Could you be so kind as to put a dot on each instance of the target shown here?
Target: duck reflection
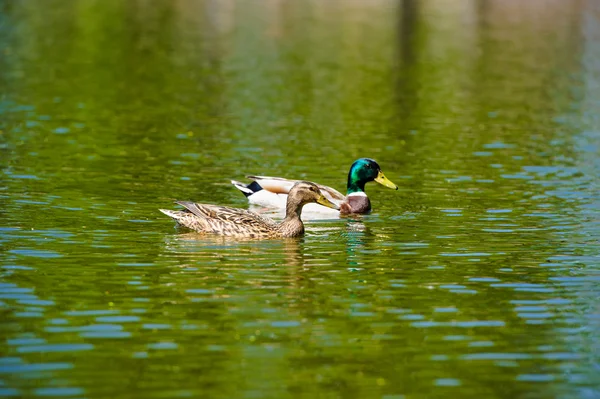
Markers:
(359, 237)
(212, 248)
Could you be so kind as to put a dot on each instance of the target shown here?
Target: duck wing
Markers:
(226, 220)
(280, 185)
(331, 193)
(276, 185)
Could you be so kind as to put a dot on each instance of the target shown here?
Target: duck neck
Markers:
(355, 185)
(292, 225)
(293, 208)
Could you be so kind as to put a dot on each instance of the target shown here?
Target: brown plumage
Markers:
(235, 222)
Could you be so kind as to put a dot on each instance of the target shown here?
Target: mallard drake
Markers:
(273, 191)
(235, 222)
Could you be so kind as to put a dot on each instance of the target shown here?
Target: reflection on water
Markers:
(210, 249)
(477, 278)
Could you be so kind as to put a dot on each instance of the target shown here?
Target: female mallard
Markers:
(235, 222)
(273, 191)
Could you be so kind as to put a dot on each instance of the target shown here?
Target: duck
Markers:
(242, 223)
(273, 191)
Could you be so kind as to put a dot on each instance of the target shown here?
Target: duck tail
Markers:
(176, 215)
(247, 189)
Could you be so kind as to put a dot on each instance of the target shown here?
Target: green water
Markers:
(477, 279)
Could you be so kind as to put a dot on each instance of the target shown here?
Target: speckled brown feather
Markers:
(233, 222)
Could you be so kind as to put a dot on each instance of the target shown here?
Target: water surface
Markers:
(478, 278)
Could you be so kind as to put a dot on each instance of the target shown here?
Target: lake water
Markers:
(478, 278)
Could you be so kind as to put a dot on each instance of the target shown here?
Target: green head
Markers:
(364, 170)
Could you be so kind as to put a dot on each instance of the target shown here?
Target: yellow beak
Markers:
(325, 202)
(384, 181)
